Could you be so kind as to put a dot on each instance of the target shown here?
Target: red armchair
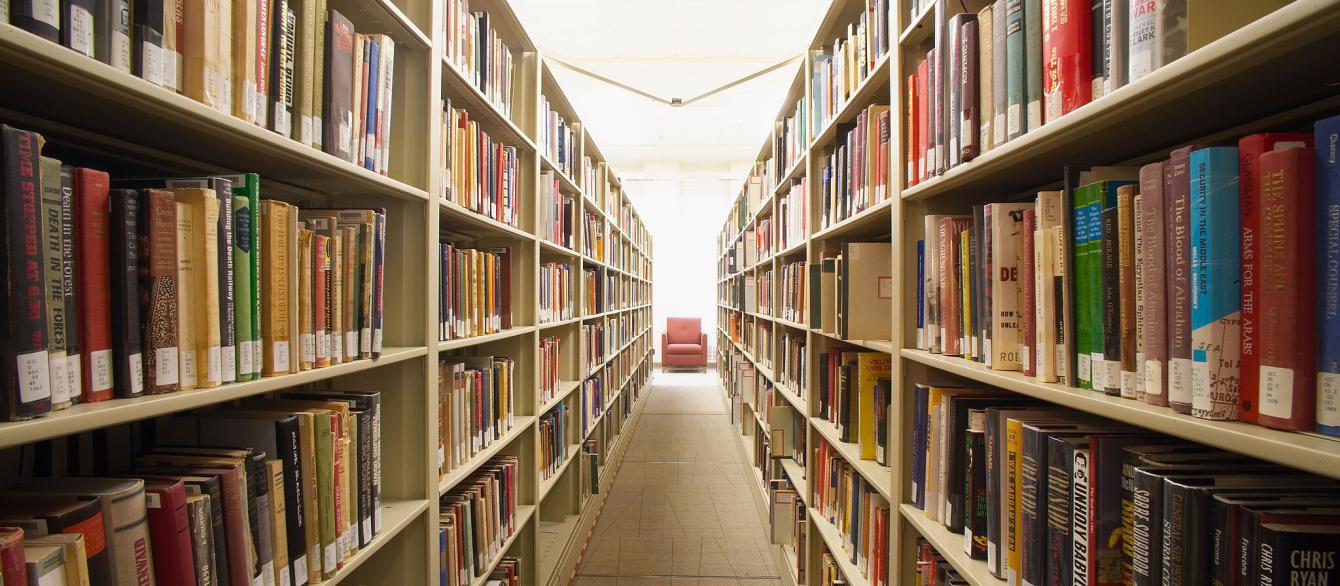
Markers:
(683, 344)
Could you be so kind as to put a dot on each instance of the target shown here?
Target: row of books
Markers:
(855, 173)
(479, 53)
(559, 139)
(591, 182)
(793, 361)
(591, 458)
(786, 427)
(593, 289)
(553, 432)
(551, 368)
(555, 300)
(279, 490)
(793, 218)
(761, 346)
(860, 515)
(1007, 70)
(854, 395)
(476, 402)
(593, 400)
(792, 291)
(1195, 282)
(474, 291)
(478, 173)
(789, 524)
(155, 286)
(475, 520)
(764, 239)
(594, 345)
(593, 235)
(1050, 496)
(291, 66)
(557, 211)
(840, 70)
(790, 140)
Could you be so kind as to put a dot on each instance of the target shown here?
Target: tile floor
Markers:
(682, 509)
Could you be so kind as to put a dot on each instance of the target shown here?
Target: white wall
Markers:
(684, 209)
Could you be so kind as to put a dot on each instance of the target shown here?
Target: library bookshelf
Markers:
(92, 113)
(1266, 74)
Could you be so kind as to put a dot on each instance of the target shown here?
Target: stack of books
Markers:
(476, 518)
(476, 406)
(478, 53)
(479, 173)
(859, 514)
(475, 292)
(555, 302)
(855, 173)
(557, 211)
(840, 69)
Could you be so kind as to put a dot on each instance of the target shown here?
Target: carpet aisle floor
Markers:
(683, 508)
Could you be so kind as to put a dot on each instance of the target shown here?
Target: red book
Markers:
(919, 147)
(1067, 70)
(93, 264)
(13, 569)
(1250, 149)
(1027, 317)
(169, 531)
(951, 299)
(911, 151)
(1287, 285)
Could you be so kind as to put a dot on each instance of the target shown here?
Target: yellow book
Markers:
(208, 331)
(1014, 470)
(294, 270)
(275, 290)
(278, 522)
(872, 366)
(968, 341)
(243, 47)
(307, 359)
(203, 23)
(186, 296)
(304, 69)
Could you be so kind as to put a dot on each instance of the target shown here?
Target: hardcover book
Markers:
(93, 263)
(1216, 301)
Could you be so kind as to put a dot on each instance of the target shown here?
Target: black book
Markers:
(76, 28)
(883, 393)
(227, 293)
(39, 17)
(1034, 507)
(73, 366)
(1253, 535)
(127, 344)
(995, 475)
(957, 409)
(1298, 553)
(111, 33)
(369, 401)
(148, 56)
(1059, 570)
(1226, 508)
(209, 485)
(24, 346)
(975, 510)
(1110, 379)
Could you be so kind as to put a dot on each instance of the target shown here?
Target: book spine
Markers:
(1117, 44)
(1146, 529)
(1097, 40)
(243, 225)
(39, 17)
(209, 355)
(1138, 343)
(1327, 140)
(53, 275)
(1216, 302)
(69, 277)
(93, 207)
(969, 111)
(25, 363)
(1140, 48)
(158, 291)
(1177, 193)
(1250, 149)
(1059, 567)
(127, 347)
(303, 75)
(1032, 512)
(1066, 44)
(999, 72)
(1107, 362)
(379, 272)
(187, 266)
(1088, 281)
(1033, 56)
(1126, 290)
(1154, 324)
(1082, 523)
(1288, 250)
(277, 515)
(1016, 80)
(276, 333)
(985, 83)
(226, 286)
(264, 55)
(319, 80)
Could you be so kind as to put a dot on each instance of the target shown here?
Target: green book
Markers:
(1033, 68)
(247, 186)
(325, 492)
(1088, 205)
(1016, 75)
(243, 225)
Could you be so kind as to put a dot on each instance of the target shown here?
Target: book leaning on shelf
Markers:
(475, 291)
(476, 406)
(479, 173)
(152, 285)
(1050, 496)
(292, 66)
(280, 490)
(1190, 282)
(984, 81)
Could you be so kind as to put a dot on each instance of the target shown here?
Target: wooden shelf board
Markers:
(553, 247)
(791, 324)
(562, 322)
(876, 345)
(476, 223)
(920, 29)
(565, 388)
(950, 545)
(454, 477)
(484, 339)
(396, 516)
(547, 484)
(878, 477)
(88, 416)
(796, 171)
(1306, 451)
(796, 473)
(874, 219)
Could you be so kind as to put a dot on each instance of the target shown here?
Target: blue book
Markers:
(1216, 296)
(921, 394)
(1327, 141)
(921, 294)
(374, 64)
